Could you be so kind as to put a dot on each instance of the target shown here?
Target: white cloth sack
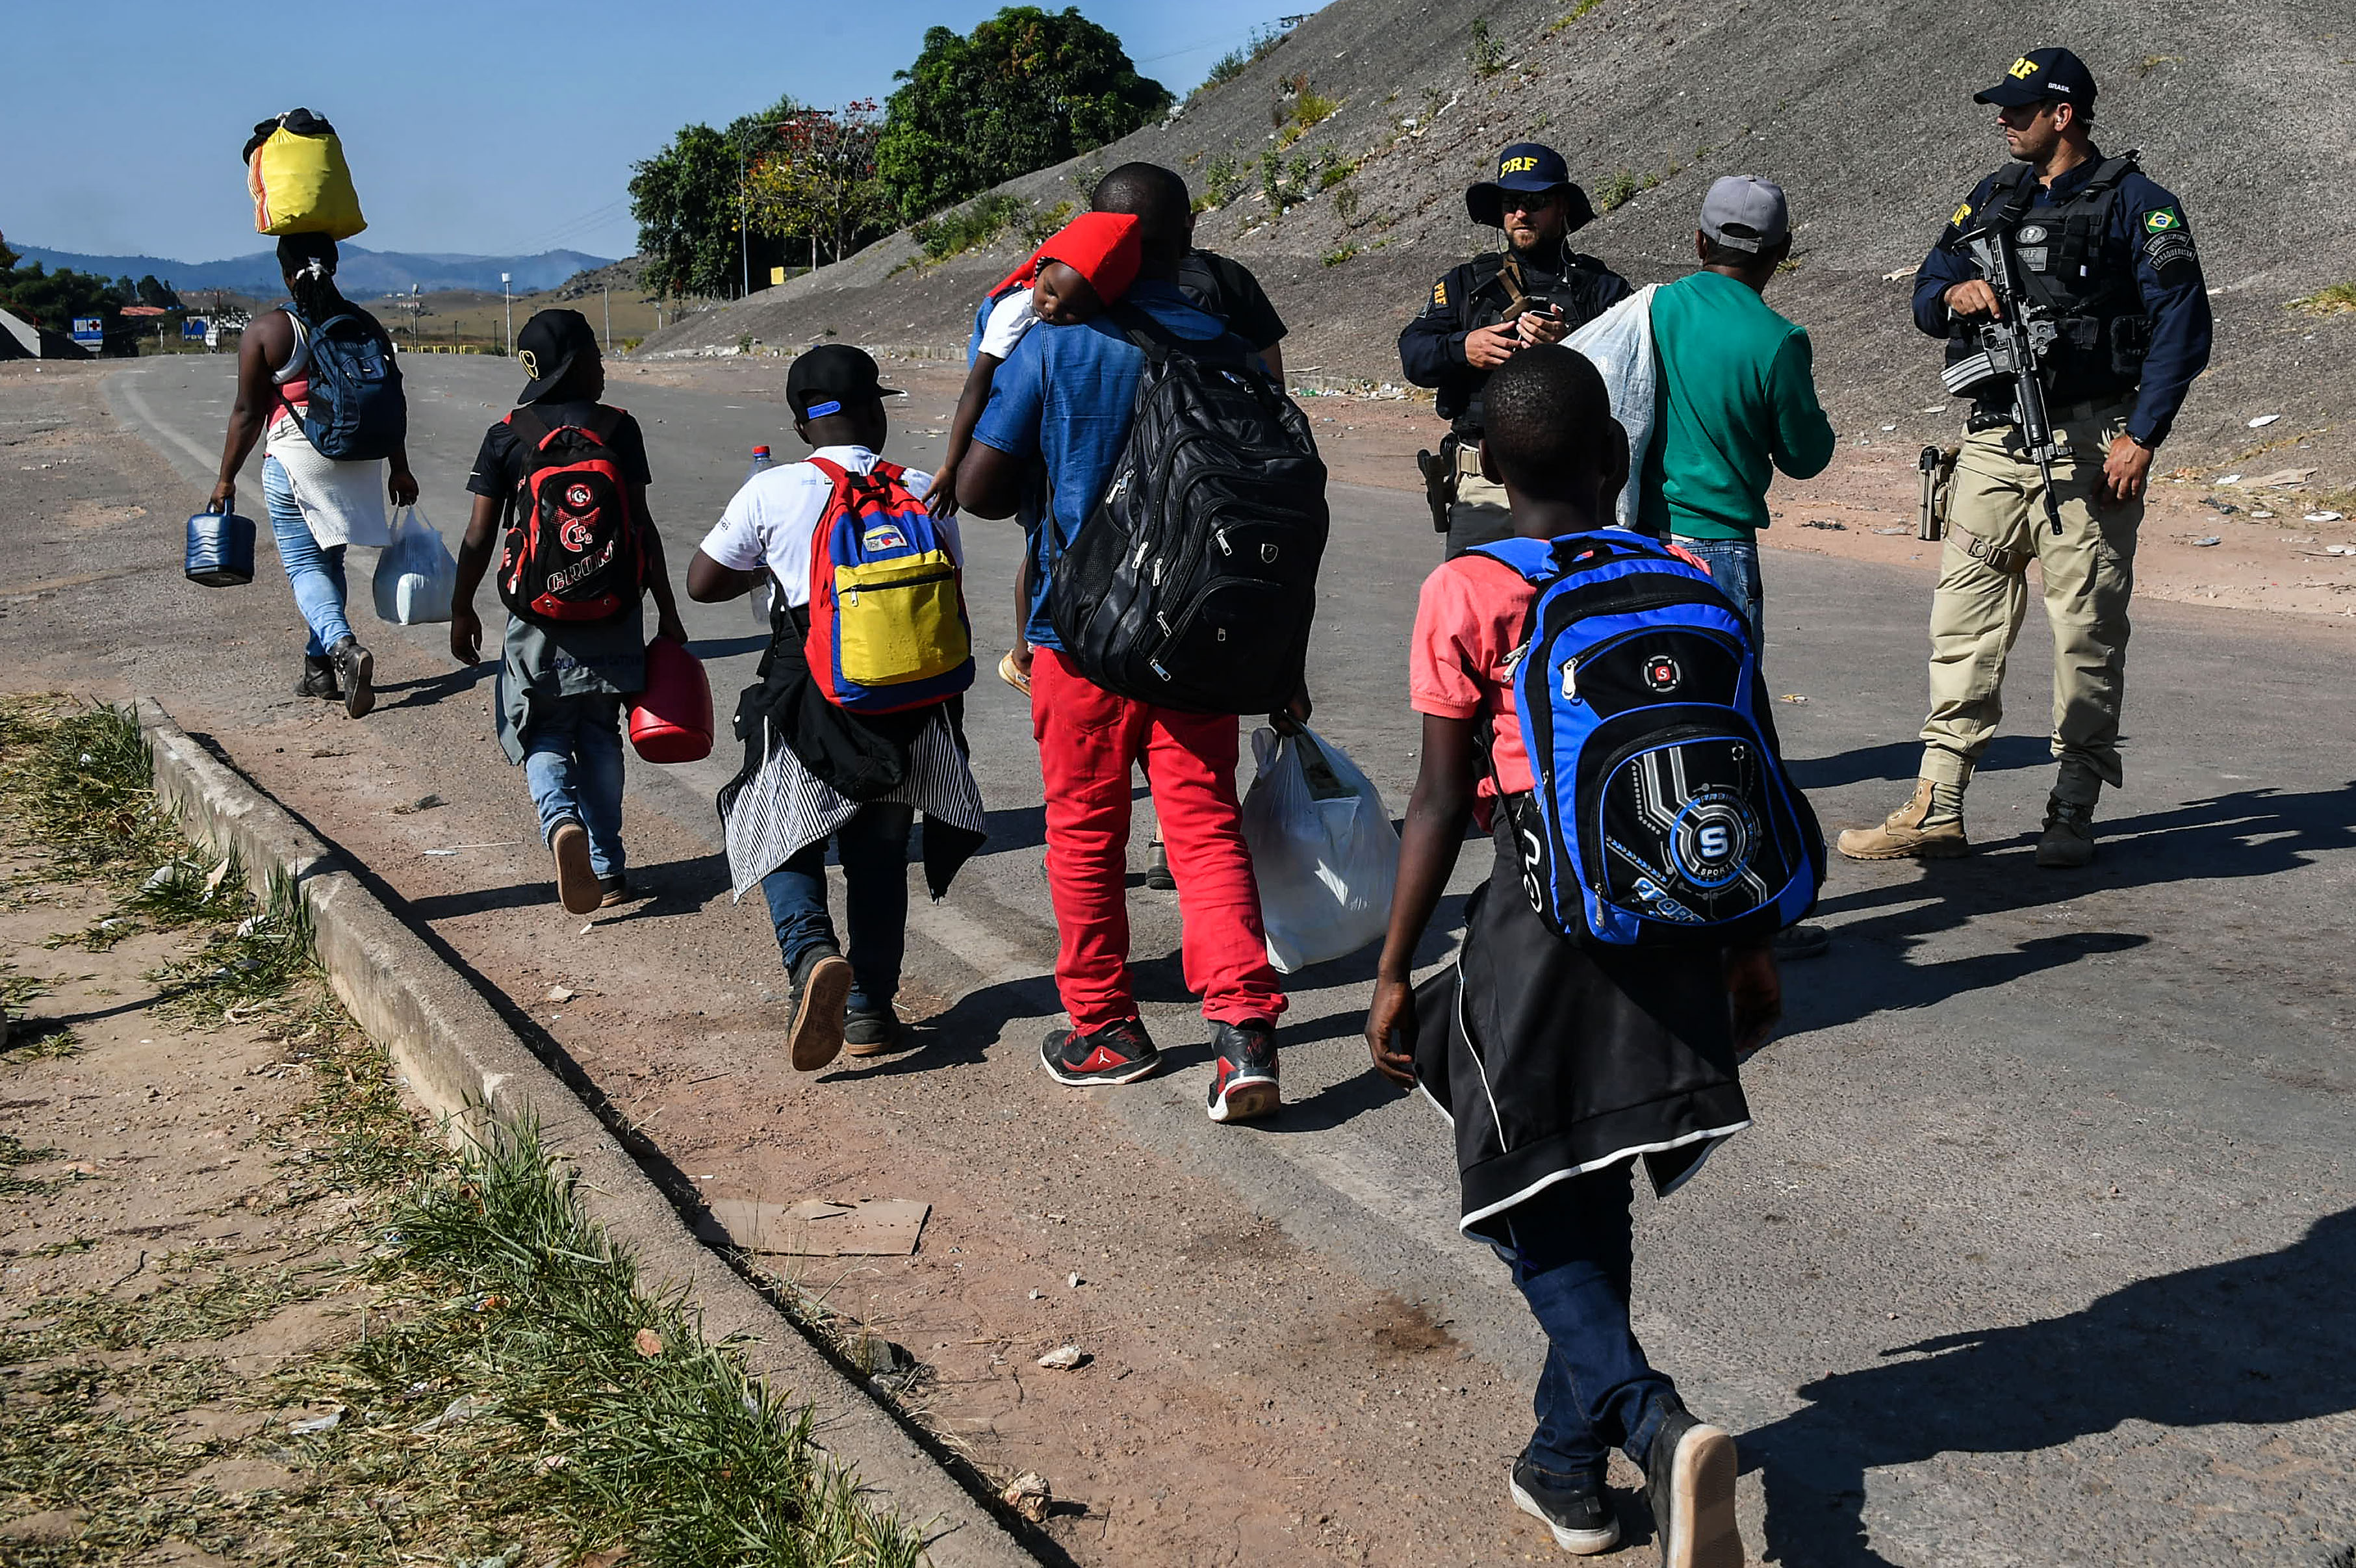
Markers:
(415, 578)
(1322, 850)
(1620, 343)
(343, 503)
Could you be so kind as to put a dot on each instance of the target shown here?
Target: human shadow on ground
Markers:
(428, 689)
(1897, 762)
(2244, 834)
(671, 887)
(2257, 1342)
(728, 647)
(963, 1032)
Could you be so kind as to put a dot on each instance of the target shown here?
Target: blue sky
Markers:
(484, 128)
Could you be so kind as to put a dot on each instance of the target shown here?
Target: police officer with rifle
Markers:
(2071, 299)
(1537, 290)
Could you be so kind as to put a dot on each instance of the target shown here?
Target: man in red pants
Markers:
(1065, 396)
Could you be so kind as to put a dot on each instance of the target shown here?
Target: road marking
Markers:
(204, 460)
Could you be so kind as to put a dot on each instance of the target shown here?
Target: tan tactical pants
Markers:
(1996, 526)
(1479, 514)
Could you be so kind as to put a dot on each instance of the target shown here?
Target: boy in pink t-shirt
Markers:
(1562, 1065)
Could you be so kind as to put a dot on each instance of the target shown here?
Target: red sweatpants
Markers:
(1088, 741)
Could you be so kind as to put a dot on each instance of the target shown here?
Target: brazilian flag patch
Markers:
(2162, 220)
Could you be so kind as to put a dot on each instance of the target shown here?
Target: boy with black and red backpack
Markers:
(856, 725)
(562, 484)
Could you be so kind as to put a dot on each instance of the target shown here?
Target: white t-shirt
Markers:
(1009, 319)
(773, 519)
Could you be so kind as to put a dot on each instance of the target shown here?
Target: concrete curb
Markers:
(459, 1058)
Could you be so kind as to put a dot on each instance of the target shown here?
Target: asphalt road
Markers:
(2043, 1245)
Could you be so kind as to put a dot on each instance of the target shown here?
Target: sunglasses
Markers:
(1529, 202)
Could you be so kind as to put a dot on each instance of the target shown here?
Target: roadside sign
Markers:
(90, 332)
(777, 276)
(195, 326)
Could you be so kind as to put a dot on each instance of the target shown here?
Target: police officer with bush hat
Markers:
(2106, 257)
(1537, 290)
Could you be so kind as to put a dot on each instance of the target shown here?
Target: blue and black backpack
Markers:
(356, 412)
(1663, 815)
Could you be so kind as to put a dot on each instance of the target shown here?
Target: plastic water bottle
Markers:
(759, 597)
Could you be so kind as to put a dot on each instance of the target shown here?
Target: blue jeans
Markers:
(1734, 566)
(1573, 1256)
(572, 765)
(315, 575)
(873, 849)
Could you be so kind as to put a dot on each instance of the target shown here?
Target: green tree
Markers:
(1028, 88)
(684, 200)
(814, 184)
(159, 293)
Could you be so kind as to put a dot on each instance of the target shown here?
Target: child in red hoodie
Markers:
(1086, 266)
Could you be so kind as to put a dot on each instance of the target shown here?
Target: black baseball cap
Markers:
(1529, 168)
(548, 346)
(2041, 76)
(830, 378)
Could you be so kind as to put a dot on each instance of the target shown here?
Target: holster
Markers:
(1440, 479)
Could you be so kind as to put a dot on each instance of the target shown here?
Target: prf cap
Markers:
(1529, 168)
(1743, 212)
(2040, 76)
(831, 377)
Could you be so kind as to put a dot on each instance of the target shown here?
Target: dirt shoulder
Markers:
(253, 1309)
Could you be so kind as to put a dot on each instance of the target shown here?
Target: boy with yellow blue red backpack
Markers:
(856, 722)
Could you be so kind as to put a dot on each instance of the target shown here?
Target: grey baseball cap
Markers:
(1744, 212)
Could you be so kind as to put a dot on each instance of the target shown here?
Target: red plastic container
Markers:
(671, 720)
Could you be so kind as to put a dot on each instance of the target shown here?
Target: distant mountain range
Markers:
(362, 274)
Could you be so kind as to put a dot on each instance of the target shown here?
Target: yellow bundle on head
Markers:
(296, 171)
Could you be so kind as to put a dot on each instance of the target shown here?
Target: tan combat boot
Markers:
(1902, 833)
(2069, 839)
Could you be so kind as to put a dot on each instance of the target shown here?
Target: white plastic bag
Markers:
(1322, 848)
(415, 578)
(1620, 342)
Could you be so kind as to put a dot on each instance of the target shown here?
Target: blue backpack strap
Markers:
(1533, 558)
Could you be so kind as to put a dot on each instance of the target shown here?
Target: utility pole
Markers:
(509, 299)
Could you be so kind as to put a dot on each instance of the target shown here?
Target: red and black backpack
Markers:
(573, 548)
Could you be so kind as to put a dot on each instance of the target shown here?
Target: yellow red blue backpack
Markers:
(887, 627)
(573, 549)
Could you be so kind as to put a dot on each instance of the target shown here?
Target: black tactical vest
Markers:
(2065, 266)
(1506, 286)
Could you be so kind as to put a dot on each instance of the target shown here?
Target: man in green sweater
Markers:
(1737, 400)
(1738, 397)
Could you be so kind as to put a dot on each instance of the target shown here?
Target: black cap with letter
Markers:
(2041, 76)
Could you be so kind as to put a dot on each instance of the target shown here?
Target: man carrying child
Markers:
(828, 758)
(1066, 395)
(1562, 1061)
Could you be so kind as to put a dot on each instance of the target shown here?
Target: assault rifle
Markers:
(2015, 346)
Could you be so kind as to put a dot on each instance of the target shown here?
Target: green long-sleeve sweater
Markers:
(1737, 400)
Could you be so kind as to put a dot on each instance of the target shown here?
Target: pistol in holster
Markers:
(1440, 479)
(1938, 491)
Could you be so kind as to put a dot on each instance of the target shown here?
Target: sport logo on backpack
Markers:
(573, 547)
(887, 622)
(356, 410)
(1662, 813)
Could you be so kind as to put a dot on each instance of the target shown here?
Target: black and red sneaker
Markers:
(1117, 1053)
(1243, 1072)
